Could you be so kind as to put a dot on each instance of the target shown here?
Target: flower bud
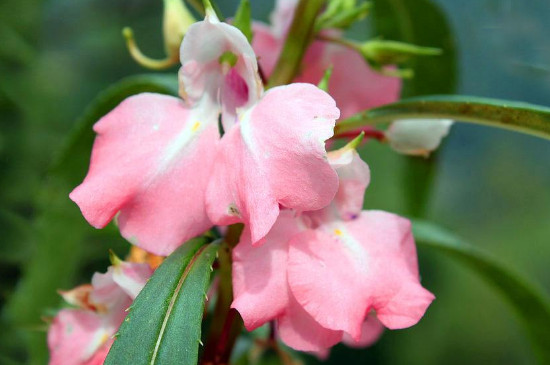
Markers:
(391, 52)
(177, 19)
(417, 137)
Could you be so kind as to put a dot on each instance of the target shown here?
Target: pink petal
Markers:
(100, 355)
(405, 308)
(371, 330)
(394, 286)
(233, 185)
(275, 155)
(354, 177)
(202, 76)
(300, 331)
(259, 273)
(365, 263)
(114, 291)
(267, 47)
(106, 291)
(150, 164)
(326, 277)
(353, 84)
(75, 336)
(132, 277)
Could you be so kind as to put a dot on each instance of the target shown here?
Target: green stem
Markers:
(299, 36)
(517, 116)
(226, 323)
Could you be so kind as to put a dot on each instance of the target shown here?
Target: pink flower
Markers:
(353, 84)
(274, 156)
(84, 335)
(321, 274)
(159, 166)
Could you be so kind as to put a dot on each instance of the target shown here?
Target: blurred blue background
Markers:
(491, 186)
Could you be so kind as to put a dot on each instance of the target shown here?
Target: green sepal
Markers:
(324, 83)
(341, 14)
(391, 52)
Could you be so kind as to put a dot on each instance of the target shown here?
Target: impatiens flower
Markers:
(321, 275)
(84, 335)
(417, 136)
(159, 166)
(274, 156)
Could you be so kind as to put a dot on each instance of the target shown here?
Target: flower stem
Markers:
(521, 117)
(226, 322)
(301, 33)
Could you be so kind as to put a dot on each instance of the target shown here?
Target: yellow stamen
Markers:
(195, 126)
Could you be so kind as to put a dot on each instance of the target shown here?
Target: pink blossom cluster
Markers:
(83, 335)
(310, 259)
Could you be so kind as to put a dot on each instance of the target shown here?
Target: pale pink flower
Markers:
(159, 165)
(321, 274)
(274, 156)
(83, 336)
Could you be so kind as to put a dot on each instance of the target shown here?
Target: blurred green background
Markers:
(490, 186)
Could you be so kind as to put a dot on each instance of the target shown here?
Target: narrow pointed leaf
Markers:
(531, 304)
(163, 325)
(518, 116)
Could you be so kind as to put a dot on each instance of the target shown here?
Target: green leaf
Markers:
(163, 325)
(531, 304)
(60, 235)
(243, 19)
(422, 23)
(521, 117)
(16, 233)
